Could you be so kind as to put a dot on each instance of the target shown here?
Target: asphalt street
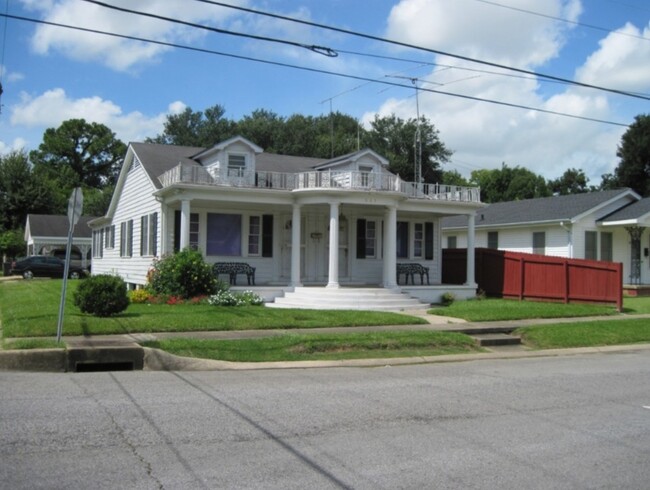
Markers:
(571, 422)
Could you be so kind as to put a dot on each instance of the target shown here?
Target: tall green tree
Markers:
(90, 150)
(572, 181)
(263, 128)
(12, 243)
(394, 138)
(196, 128)
(21, 192)
(509, 184)
(453, 177)
(633, 169)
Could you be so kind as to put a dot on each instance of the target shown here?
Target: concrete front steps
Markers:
(322, 298)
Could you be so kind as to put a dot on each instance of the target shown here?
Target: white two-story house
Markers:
(346, 221)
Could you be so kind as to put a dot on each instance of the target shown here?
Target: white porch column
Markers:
(390, 247)
(295, 246)
(333, 276)
(185, 224)
(471, 278)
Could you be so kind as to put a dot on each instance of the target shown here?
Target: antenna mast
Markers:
(417, 139)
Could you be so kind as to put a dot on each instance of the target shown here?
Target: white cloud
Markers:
(483, 135)
(116, 53)
(622, 62)
(53, 107)
(484, 31)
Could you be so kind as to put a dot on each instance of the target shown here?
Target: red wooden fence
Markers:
(541, 277)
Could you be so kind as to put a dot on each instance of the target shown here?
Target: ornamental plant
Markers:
(184, 274)
(229, 298)
(102, 295)
(139, 296)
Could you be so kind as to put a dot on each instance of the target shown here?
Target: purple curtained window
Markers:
(224, 234)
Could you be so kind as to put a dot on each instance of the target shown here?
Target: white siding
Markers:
(135, 201)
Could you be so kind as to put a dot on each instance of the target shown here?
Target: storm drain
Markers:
(96, 355)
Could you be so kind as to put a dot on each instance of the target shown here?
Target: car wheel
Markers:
(28, 274)
(74, 275)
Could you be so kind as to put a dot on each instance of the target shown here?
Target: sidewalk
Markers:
(105, 346)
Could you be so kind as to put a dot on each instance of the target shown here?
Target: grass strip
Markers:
(30, 309)
(486, 310)
(586, 334)
(304, 347)
(25, 344)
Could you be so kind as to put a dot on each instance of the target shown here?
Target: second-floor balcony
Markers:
(350, 180)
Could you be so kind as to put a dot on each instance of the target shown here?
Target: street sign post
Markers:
(75, 206)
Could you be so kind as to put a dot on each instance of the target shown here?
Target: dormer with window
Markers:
(232, 159)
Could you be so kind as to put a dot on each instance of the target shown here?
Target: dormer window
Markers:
(365, 175)
(236, 165)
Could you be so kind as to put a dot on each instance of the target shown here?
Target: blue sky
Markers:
(51, 74)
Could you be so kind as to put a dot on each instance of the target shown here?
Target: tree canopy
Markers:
(633, 169)
(509, 184)
(89, 152)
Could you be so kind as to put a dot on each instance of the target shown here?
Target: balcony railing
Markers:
(368, 181)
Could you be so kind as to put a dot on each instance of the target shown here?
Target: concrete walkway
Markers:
(101, 348)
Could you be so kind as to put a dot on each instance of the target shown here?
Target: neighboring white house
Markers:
(607, 225)
(299, 221)
(47, 234)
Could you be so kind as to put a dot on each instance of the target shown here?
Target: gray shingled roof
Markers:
(158, 159)
(633, 211)
(271, 162)
(544, 209)
(55, 225)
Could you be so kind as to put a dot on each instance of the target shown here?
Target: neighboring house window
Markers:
(493, 240)
(149, 234)
(452, 242)
(366, 239)
(607, 246)
(126, 238)
(539, 242)
(260, 235)
(194, 231)
(365, 175)
(236, 165)
(591, 245)
(402, 239)
(223, 234)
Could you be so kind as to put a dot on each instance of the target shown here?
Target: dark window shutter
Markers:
(361, 239)
(267, 235)
(130, 238)
(154, 230)
(143, 245)
(428, 241)
(177, 231)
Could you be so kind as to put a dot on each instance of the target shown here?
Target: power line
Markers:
(421, 48)
(561, 19)
(312, 70)
(325, 51)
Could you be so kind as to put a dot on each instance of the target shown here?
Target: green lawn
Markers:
(586, 334)
(294, 347)
(487, 310)
(30, 309)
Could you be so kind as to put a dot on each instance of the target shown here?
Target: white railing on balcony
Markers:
(186, 174)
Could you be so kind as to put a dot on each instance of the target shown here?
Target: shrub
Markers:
(102, 295)
(184, 274)
(139, 296)
(448, 299)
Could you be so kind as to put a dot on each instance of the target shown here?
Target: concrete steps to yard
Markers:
(347, 299)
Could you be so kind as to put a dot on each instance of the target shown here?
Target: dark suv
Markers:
(44, 266)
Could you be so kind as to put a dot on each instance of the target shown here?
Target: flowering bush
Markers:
(184, 274)
(228, 298)
(139, 296)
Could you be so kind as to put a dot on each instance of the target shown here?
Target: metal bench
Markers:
(234, 268)
(411, 270)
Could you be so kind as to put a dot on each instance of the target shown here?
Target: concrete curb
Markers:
(56, 360)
